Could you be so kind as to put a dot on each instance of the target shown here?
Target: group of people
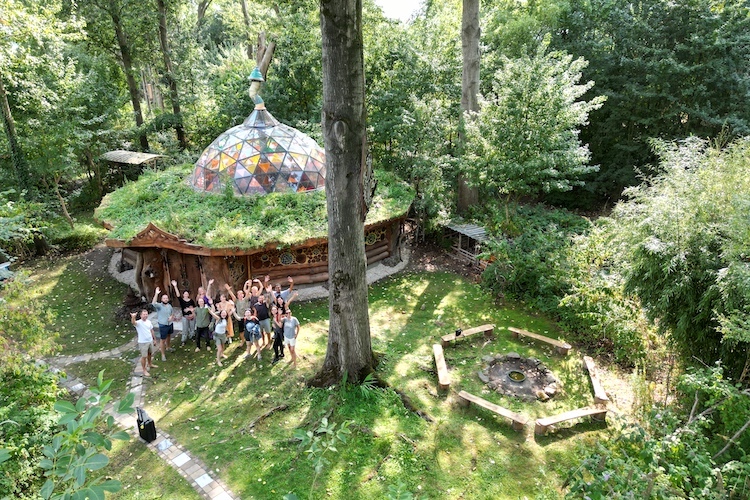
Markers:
(261, 312)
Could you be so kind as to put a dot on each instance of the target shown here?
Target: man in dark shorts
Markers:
(164, 316)
(264, 318)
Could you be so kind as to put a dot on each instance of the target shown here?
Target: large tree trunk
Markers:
(16, 154)
(173, 95)
(127, 66)
(467, 195)
(349, 349)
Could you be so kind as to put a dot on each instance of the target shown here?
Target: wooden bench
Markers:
(444, 379)
(600, 397)
(561, 347)
(543, 424)
(518, 420)
(445, 340)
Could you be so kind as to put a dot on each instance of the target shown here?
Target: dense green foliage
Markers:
(221, 221)
(524, 139)
(559, 263)
(27, 423)
(19, 222)
(683, 240)
(676, 452)
(75, 451)
(668, 69)
(27, 393)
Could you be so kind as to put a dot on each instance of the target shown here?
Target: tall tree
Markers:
(469, 195)
(348, 192)
(669, 70)
(115, 11)
(169, 74)
(16, 153)
(524, 140)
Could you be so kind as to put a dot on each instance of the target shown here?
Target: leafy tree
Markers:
(524, 140)
(413, 98)
(76, 449)
(668, 70)
(105, 19)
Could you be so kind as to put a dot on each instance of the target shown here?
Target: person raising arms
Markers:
(188, 313)
(146, 340)
(164, 316)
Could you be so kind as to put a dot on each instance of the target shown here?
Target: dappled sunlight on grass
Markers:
(84, 299)
(240, 418)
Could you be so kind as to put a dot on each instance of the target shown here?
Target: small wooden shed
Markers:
(128, 164)
(467, 241)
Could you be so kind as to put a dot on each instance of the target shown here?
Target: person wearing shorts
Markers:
(164, 316)
(146, 340)
(220, 334)
(291, 332)
(251, 329)
(264, 318)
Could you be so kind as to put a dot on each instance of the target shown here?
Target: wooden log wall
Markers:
(306, 265)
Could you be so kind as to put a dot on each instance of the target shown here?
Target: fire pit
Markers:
(513, 375)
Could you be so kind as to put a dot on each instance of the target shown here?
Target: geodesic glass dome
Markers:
(261, 156)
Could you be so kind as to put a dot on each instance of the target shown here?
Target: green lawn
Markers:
(84, 299)
(144, 475)
(118, 369)
(464, 453)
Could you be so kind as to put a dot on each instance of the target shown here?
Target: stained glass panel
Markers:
(259, 156)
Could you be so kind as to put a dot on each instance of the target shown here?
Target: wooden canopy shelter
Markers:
(467, 241)
(135, 158)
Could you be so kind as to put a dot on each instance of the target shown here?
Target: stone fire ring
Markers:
(539, 382)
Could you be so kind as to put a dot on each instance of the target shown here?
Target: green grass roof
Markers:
(228, 221)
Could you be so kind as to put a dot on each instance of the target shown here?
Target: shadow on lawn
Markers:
(471, 452)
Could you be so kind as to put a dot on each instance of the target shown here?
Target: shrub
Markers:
(20, 223)
(531, 261)
(82, 237)
(595, 310)
(674, 453)
(27, 423)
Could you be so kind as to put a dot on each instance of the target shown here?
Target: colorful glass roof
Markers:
(261, 156)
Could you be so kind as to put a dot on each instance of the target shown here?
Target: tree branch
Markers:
(731, 439)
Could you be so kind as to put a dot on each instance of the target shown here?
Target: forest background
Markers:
(608, 150)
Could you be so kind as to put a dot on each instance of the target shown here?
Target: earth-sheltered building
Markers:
(254, 205)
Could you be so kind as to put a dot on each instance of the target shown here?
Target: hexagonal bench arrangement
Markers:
(518, 421)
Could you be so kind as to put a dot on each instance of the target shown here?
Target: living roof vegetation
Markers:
(228, 221)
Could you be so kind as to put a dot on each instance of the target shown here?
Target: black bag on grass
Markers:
(146, 425)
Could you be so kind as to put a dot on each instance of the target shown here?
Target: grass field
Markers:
(84, 299)
(461, 453)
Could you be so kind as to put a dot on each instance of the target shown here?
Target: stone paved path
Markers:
(165, 446)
